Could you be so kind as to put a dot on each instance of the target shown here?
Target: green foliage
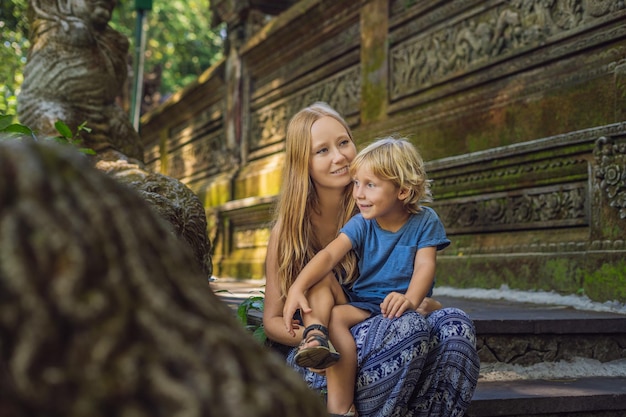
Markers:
(255, 303)
(12, 130)
(75, 139)
(14, 46)
(178, 39)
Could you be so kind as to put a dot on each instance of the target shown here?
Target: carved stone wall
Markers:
(518, 107)
(544, 214)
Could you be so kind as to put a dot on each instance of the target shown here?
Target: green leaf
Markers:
(87, 151)
(63, 129)
(59, 139)
(5, 120)
(17, 128)
(83, 127)
(259, 334)
(242, 313)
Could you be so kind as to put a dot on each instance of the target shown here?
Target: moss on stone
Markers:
(608, 282)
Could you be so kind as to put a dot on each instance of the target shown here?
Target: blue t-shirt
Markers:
(386, 258)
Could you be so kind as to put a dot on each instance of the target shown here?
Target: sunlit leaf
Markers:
(5, 120)
(63, 129)
(18, 128)
(87, 151)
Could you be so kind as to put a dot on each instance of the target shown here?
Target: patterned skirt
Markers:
(412, 365)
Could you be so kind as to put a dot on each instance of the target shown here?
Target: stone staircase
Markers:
(536, 360)
(547, 360)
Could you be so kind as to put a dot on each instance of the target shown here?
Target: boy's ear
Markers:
(403, 194)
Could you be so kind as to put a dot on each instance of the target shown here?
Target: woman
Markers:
(412, 365)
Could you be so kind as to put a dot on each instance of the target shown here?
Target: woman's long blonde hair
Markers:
(297, 242)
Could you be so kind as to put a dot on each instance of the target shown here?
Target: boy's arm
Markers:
(322, 264)
(395, 304)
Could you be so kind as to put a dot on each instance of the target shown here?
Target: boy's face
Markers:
(375, 197)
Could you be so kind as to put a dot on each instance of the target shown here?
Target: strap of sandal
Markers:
(312, 327)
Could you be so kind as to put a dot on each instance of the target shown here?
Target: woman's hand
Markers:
(395, 304)
(295, 300)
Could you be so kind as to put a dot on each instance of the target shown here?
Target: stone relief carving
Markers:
(530, 209)
(245, 238)
(205, 154)
(309, 59)
(497, 32)
(610, 172)
(199, 146)
(342, 91)
(564, 199)
(537, 168)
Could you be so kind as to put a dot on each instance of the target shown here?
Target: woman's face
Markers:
(332, 150)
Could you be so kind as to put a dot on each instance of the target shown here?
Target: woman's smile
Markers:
(341, 171)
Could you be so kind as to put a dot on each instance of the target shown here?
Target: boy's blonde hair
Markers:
(397, 160)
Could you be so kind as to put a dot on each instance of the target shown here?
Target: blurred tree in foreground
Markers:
(180, 45)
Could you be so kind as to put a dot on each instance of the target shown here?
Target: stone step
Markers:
(526, 334)
(584, 397)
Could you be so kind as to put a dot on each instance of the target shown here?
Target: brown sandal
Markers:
(317, 357)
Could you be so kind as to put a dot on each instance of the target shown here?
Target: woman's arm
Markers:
(320, 266)
(274, 303)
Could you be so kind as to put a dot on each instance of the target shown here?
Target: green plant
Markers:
(13, 130)
(66, 136)
(252, 303)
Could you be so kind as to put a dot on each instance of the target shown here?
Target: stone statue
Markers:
(75, 70)
(104, 313)
(172, 200)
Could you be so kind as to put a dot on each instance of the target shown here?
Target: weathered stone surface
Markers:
(104, 313)
(532, 349)
(77, 66)
(174, 201)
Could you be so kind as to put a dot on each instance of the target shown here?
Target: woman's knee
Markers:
(451, 323)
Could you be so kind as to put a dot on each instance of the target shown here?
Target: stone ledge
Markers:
(583, 397)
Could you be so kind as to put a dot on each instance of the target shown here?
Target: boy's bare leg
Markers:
(341, 377)
(322, 297)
